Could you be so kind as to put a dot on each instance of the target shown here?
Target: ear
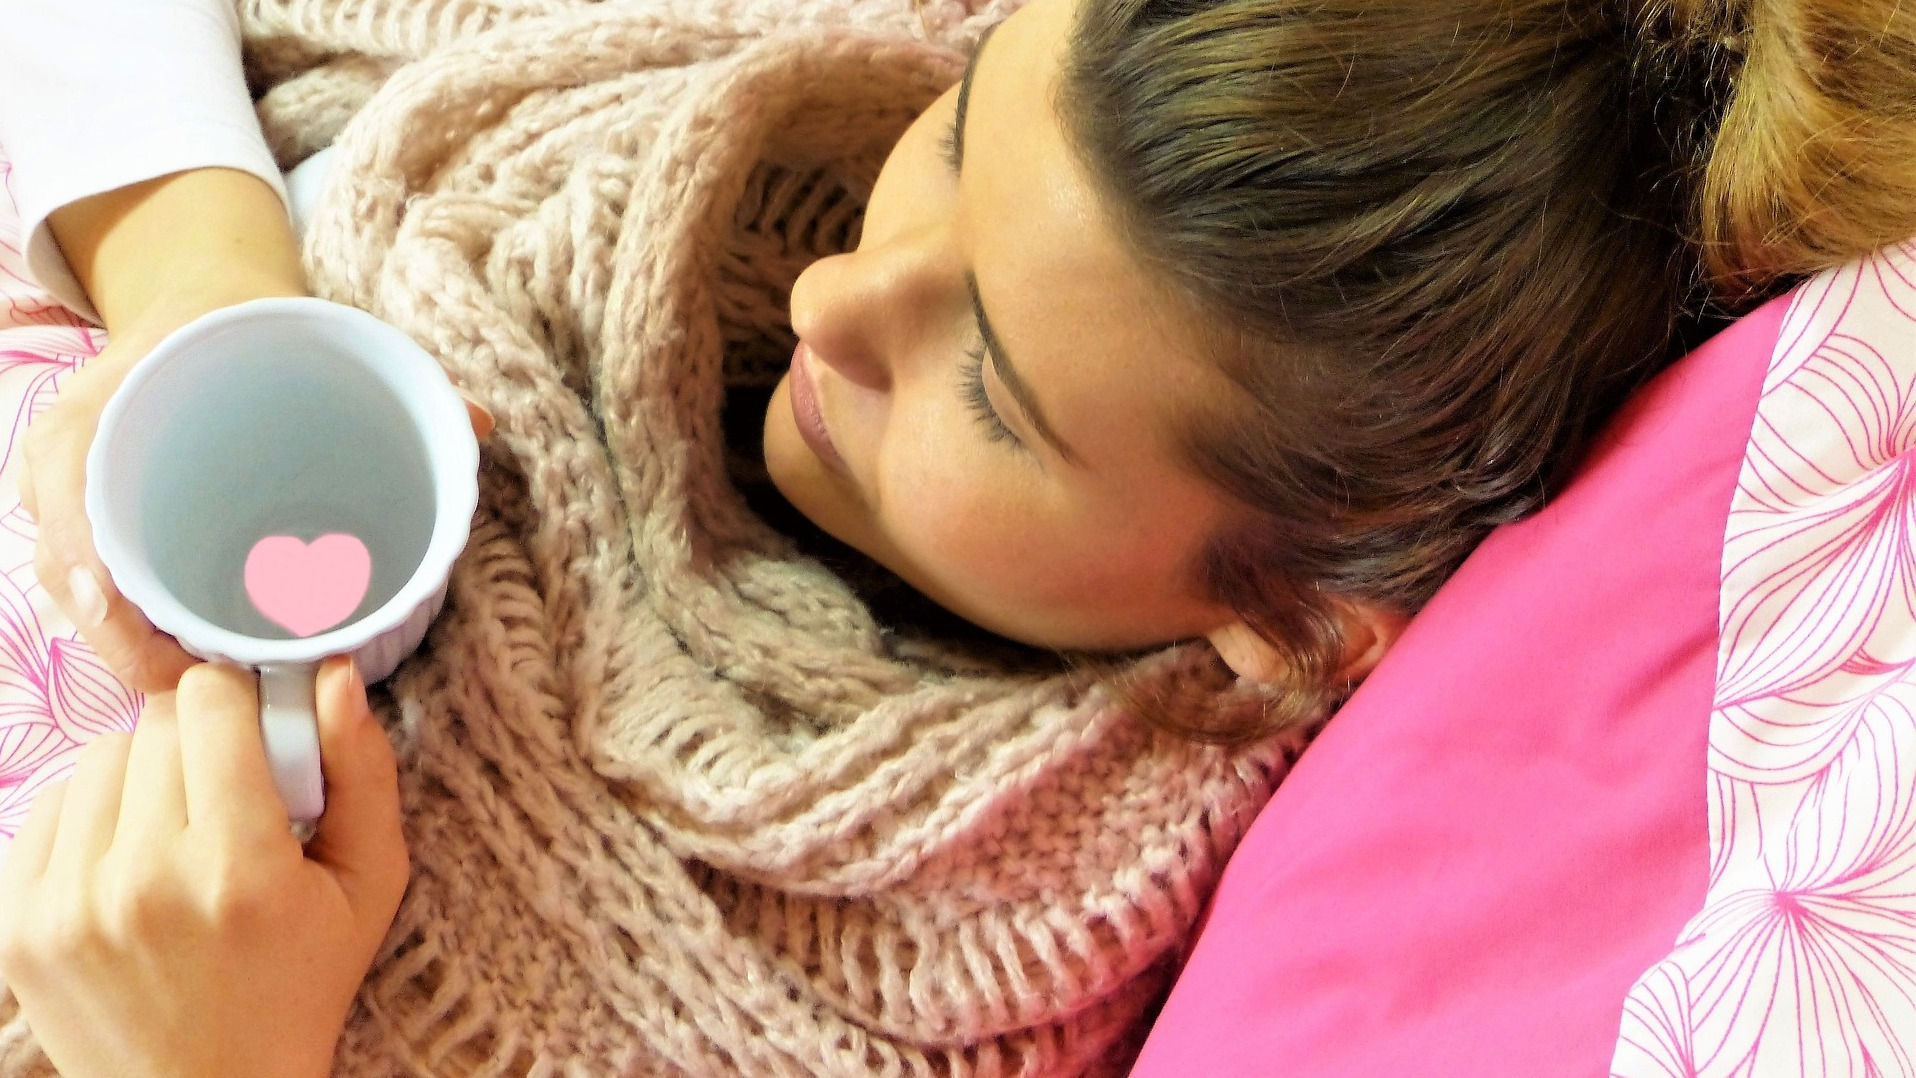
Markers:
(1249, 655)
(1369, 632)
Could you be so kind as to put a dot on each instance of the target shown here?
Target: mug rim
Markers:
(454, 462)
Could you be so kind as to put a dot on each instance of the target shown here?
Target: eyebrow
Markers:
(964, 90)
(1021, 393)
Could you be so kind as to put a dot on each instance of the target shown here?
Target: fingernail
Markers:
(484, 411)
(89, 602)
(355, 685)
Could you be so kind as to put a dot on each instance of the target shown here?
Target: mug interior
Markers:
(271, 430)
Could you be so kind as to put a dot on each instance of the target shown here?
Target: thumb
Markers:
(358, 837)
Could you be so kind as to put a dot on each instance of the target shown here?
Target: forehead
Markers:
(1109, 354)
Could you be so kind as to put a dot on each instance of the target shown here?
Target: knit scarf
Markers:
(680, 799)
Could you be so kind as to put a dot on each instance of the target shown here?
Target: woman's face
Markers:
(1030, 484)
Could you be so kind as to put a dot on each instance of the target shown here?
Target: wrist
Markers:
(157, 254)
(189, 295)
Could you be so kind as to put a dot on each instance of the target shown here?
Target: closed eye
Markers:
(972, 387)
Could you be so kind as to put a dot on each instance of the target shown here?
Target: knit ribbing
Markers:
(677, 802)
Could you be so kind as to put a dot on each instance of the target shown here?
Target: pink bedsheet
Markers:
(1802, 960)
(55, 694)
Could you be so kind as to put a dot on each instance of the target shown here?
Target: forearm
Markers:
(100, 97)
(168, 249)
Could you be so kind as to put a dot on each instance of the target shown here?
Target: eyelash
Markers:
(972, 386)
(948, 145)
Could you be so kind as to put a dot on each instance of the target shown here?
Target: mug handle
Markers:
(289, 724)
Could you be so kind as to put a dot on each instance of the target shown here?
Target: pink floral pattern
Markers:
(55, 694)
(1803, 958)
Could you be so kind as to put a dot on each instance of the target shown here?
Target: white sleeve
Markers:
(98, 94)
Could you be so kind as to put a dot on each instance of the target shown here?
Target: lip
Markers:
(808, 415)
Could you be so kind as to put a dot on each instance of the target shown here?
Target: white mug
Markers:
(263, 432)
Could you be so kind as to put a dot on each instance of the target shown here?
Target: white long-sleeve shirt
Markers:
(98, 94)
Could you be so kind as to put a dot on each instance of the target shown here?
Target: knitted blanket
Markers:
(682, 796)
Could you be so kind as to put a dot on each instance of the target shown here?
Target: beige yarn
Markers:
(677, 802)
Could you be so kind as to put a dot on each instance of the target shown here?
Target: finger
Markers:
(32, 848)
(140, 655)
(153, 806)
(55, 457)
(481, 418)
(92, 808)
(359, 837)
(156, 660)
(229, 786)
(75, 578)
(69, 568)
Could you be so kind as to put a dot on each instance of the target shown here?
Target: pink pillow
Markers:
(1506, 826)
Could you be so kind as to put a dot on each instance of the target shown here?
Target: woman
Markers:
(1347, 312)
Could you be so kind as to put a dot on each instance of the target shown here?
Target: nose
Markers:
(866, 312)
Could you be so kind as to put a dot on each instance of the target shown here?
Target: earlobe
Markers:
(1369, 631)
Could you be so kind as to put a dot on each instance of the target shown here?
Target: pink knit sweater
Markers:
(678, 802)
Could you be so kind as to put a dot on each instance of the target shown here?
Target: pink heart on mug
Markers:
(308, 587)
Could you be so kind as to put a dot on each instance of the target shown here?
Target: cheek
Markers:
(984, 533)
(978, 521)
(963, 510)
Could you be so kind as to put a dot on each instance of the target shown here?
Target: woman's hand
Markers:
(52, 485)
(52, 480)
(158, 918)
(152, 256)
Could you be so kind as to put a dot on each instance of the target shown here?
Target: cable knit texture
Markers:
(678, 801)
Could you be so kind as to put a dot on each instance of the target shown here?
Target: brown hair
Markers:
(1439, 242)
(1814, 161)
